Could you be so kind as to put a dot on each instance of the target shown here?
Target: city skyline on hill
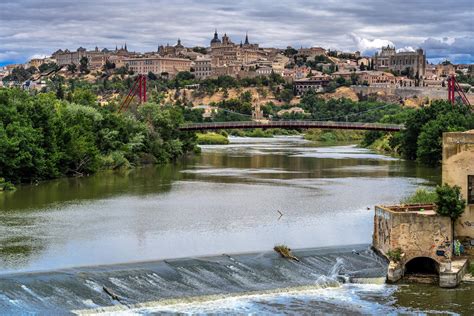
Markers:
(30, 28)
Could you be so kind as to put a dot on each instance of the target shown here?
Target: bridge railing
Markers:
(292, 124)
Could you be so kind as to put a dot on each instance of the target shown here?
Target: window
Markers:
(470, 189)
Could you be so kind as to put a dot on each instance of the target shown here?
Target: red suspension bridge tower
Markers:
(453, 87)
(138, 89)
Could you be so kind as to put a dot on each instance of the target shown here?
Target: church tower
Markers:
(216, 39)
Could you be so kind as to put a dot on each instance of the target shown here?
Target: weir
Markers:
(138, 283)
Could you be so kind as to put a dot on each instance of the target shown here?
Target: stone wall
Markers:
(409, 92)
(418, 231)
(458, 164)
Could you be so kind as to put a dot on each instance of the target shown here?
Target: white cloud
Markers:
(406, 49)
(369, 46)
(31, 27)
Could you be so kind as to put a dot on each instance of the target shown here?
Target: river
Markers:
(116, 228)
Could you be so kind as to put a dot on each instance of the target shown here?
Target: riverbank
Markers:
(225, 200)
(314, 135)
(46, 137)
(333, 136)
(212, 139)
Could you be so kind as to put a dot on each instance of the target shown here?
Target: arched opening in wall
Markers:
(422, 265)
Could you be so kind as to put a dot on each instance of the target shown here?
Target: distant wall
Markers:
(409, 92)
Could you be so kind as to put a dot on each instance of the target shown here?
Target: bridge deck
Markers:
(291, 124)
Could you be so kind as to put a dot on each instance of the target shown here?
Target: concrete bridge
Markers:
(292, 125)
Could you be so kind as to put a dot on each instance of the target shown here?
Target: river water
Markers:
(62, 240)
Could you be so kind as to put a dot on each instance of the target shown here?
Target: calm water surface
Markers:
(225, 200)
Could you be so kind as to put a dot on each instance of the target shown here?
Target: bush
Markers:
(449, 201)
(332, 136)
(421, 196)
(395, 255)
(212, 139)
(6, 186)
(115, 160)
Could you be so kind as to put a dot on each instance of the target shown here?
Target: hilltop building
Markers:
(202, 67)
(97, 58)
(315, 83)
(172, 51)
(158, 65)
(228, 58)
(412, 64)
(311, 52)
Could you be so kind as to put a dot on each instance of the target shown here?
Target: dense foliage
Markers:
(449, 201)
(44, 137)
(346, 109)
(422, 138)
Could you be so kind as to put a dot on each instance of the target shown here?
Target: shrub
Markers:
(212, 139)
(421, 196)
(6, 186)
(449, 201)
(395, 255)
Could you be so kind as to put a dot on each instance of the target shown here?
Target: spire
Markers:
(216, 39)
(116, 48)
(247, 38)
(125, 46)
(241, 44)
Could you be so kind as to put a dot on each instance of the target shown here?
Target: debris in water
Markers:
(111, 294)
(355, 252)
(285, 252)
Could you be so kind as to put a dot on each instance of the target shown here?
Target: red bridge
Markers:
(292, 125)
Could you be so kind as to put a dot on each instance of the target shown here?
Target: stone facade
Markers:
(226, 54)
(311, 52)
(458, 169)
(158, 65)
(408, 63)
(315, 83)
(172, 51)
(202, 68)
(374, 78)
(416, 229)
(97, 58)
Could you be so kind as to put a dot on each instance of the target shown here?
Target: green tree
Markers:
(60, 92)
(84, 64)
(72, 68)
(152, 76)
(450, 203)
(109, 65)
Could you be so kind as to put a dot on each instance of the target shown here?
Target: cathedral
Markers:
(225, 53)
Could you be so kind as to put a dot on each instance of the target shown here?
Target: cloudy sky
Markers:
(445, 28)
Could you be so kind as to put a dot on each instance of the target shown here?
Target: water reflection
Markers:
(223, 201)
